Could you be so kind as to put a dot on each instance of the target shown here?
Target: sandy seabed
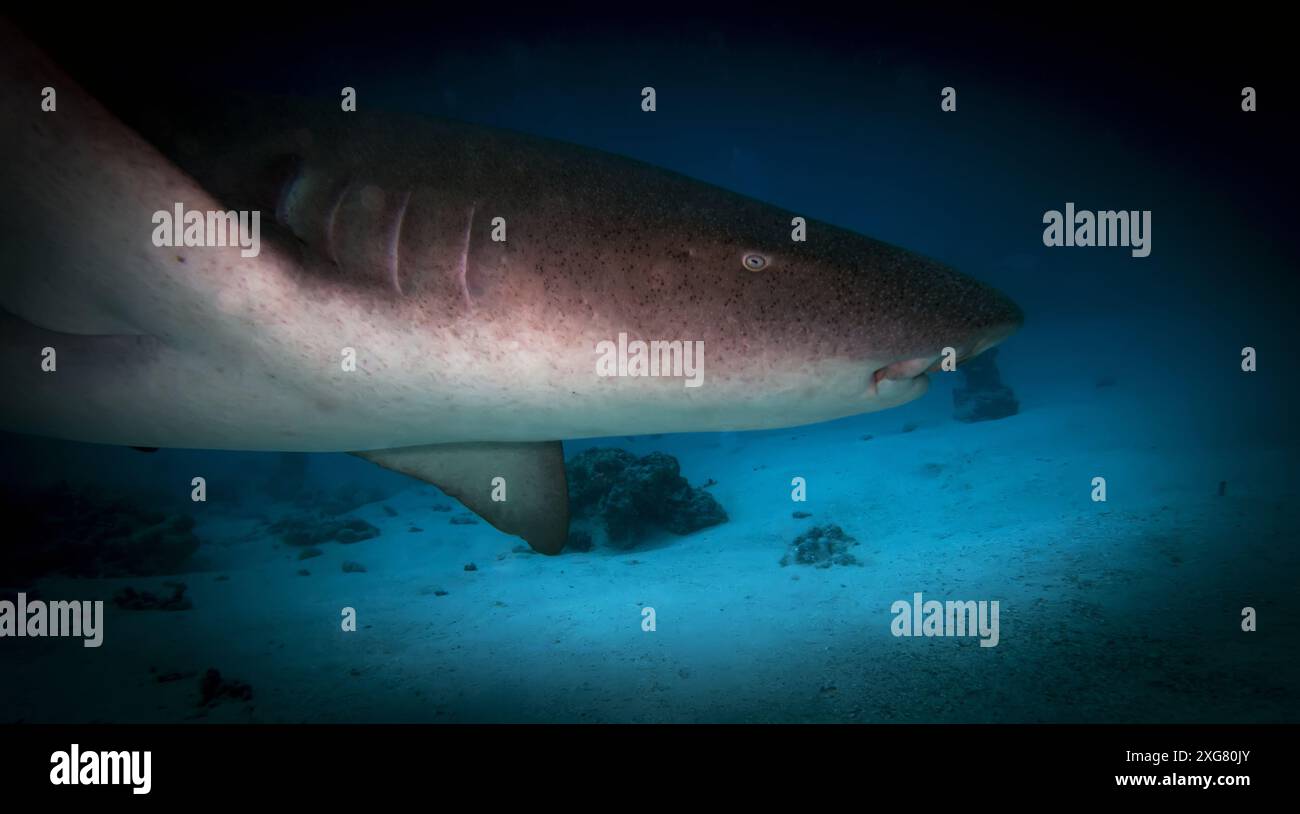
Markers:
(1127, 610)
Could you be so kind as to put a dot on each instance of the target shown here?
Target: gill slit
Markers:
(464, 258)
(395, 243)
(329, 223)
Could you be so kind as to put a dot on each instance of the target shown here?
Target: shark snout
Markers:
(988, 337)
(994, 318)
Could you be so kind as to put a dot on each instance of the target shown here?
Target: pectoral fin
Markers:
(536, 492)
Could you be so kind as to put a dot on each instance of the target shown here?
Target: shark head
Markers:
(801, 321)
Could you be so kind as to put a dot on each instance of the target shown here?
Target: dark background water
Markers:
(837, 117)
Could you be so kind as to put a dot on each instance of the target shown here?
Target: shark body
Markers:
(470, 274)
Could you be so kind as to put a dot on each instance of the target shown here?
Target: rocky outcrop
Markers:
(313, 530)
(821, 547)
(983, 396)
(83, 533)
(616, 495)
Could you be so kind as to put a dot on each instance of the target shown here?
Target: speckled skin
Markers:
(377, 236)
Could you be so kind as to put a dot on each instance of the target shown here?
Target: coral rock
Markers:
(131, 599)
(822, 547)
(309, 530)
(983, 397)
(630, 496)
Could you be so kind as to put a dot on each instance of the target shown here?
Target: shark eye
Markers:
(755, 262)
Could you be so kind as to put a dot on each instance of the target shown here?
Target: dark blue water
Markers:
(1127, 368)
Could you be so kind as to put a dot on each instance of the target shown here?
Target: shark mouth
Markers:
(901, 370)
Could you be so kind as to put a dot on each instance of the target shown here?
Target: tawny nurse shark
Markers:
(473, 356)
